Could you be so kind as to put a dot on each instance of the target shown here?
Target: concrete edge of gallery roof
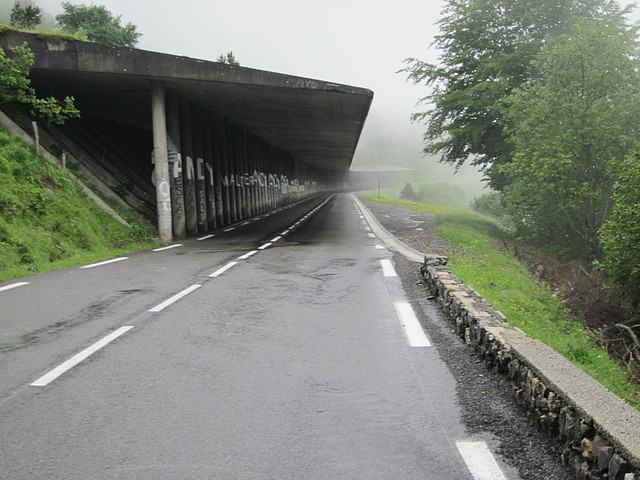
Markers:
(319, 122)
(380, 169)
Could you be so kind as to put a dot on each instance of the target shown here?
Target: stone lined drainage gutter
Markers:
(599, 432)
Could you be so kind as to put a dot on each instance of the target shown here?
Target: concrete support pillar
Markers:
(198, 154)
(207, 143)
(253, 171)
(161, 158)
(217, 133)
(175, 167)
(228, 148)
(188, 169)
(236, 166)
(272, 182)
(224, 172)
(244, 172)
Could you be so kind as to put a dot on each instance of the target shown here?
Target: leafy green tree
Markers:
(620, 234)
(566, 126)
(27, 17)
(15, 86)
(408, 192)
(486, 50)
(229, 59)
(98, 24)
(489, 203)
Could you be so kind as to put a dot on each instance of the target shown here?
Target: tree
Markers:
(486, 50)
(98, 24)
(15, 86)
(27, 17)
(620, 235)
(229, 59)
(408, 192)
(566, 125)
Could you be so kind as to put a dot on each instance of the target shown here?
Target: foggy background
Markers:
(342, 41)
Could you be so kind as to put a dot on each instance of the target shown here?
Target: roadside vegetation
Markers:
(94, 23)
(542, 96)
(482, 255)
(46, 222)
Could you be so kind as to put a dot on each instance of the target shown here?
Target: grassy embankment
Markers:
(46, 222)
(478, 260)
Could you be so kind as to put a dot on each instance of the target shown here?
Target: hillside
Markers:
(47, 222)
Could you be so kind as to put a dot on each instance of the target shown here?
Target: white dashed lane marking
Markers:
(175, 298)
(168, 247)
(73, 361)
(106, 262)
(412, 328)
(387, 268)
(247, 255)
(221, 270)
(479, 461)
(13, 285)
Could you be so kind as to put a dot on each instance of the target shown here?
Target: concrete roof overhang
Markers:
(318, 122)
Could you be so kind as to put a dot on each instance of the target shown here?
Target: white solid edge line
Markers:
(106, 262)
(266, 245)
(221, 270)
(76, 359)
(247, 255)
(168, 247)
(13, 285)
(411, 325)
(387, 268)
(175, 298)
(206, 237)
(479, 460)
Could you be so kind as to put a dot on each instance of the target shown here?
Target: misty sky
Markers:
(355, 42)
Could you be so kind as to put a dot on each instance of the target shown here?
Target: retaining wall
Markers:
(599, 432)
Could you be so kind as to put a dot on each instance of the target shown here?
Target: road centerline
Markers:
(175, 298)
(76, 359)
(221, 270)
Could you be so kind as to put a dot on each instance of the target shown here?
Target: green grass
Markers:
(46, 222)
(477, 258)
(43, 34)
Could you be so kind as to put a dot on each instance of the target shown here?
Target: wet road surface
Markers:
(285, 348)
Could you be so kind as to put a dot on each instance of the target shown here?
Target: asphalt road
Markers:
(283, 349)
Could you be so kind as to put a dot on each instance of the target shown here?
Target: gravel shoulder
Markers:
(416, 229)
